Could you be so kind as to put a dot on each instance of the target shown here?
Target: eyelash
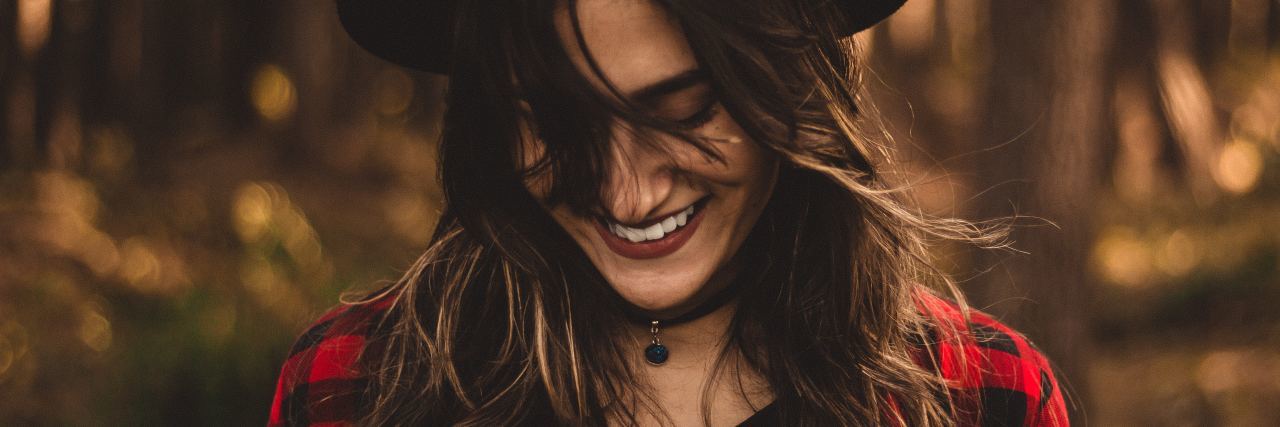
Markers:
(697, 120)
(702, 117)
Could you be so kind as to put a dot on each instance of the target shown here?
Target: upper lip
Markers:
(651, 220)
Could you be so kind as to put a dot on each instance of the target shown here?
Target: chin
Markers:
(660, 292)
(667, 286)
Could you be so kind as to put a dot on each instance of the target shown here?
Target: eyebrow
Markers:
(669, 85)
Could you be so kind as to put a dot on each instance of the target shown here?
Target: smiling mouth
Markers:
(656, 238)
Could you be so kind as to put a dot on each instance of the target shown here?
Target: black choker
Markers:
(656, 353)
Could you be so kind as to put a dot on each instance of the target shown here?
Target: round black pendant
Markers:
(656, 354)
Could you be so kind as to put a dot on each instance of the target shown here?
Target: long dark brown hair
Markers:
(504, 320)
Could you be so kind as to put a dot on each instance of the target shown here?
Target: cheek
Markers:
(571, 224)
(746, 163)
(752, 164)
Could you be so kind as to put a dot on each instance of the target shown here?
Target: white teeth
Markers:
(635, 236)
(653, 232)
(682, 217)
(625, 233)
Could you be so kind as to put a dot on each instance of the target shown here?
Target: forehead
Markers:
(636, 43)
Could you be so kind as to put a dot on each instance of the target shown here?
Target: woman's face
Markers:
(675, 218)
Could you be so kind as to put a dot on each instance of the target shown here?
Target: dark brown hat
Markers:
(415, 33)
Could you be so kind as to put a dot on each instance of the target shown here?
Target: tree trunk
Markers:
(1049, 101)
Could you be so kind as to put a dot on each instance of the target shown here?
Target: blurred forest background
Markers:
(184, 184)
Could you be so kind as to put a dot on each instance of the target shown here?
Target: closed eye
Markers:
(690, 107)
(702, 117)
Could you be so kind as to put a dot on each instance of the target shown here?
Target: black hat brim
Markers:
(415, 33)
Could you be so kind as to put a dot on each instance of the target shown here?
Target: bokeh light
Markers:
(95, 329)
(273, 94)
(1239, 166)
(1123, 258)
(34, 20)
(251, 211)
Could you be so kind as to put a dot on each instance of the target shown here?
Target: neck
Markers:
(694, 385)
(695, 342)
(696, 335)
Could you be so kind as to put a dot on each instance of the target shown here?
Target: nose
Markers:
(640, 178)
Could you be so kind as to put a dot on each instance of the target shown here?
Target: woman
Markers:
(659, 213)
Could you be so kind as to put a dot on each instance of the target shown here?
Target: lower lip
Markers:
(648, 249)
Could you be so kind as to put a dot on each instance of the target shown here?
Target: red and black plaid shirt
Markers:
(996, 377)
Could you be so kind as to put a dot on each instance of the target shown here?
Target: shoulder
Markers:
(995, 375)
(321, 380)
